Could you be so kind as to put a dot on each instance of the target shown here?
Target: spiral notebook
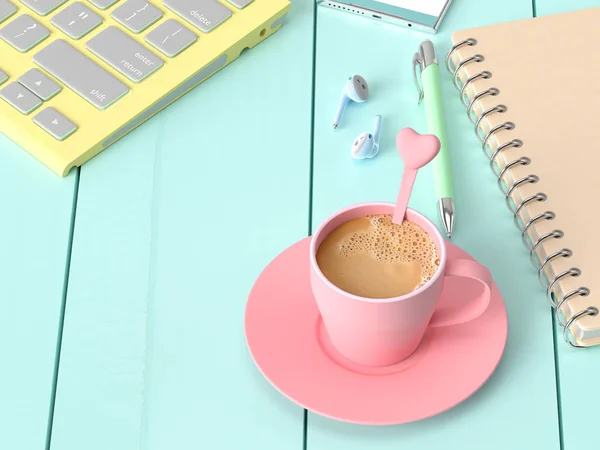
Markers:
(532, 90)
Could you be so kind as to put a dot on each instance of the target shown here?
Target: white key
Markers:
(43, 7)
(7, 9)
(203, 14)
(136, 15)
(171, 38)
(20, 97)
(125, 54)
(54, 123)
(240, 3)
(81, 74)
(39, 84)
(103, 4)
(76, 20)
(24, 33)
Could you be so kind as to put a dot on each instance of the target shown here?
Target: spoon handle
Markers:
(406, 186)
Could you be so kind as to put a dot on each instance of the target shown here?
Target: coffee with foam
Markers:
(375, 258)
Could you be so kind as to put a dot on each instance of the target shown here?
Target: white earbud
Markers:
(366, 145)
(355, 89)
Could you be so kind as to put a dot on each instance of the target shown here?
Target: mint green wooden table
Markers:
(123, 286)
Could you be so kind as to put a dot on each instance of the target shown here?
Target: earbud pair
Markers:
(366, 145)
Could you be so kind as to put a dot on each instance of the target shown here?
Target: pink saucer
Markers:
(290, 346)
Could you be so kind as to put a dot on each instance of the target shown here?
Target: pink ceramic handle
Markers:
(466, 268)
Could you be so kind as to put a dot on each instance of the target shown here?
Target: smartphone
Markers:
(422, 15)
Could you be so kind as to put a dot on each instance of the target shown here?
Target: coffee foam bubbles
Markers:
(389, 242)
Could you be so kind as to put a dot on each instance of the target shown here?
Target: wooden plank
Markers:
(578, 369)
(174, 224)
(36, 208)
(517, 407)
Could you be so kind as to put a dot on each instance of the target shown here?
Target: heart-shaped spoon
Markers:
(416, 150)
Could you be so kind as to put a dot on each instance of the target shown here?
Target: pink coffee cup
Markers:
(381, 332)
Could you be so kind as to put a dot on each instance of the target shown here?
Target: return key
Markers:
(123, 53)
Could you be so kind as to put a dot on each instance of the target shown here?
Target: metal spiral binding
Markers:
(508, 193)
(492, 91)
(573, 272)
(503, 126)
(555, 234)
(539, 197)
(497, 108)
(508, 189)
(475, 58)
(485, 75)
(514, 143)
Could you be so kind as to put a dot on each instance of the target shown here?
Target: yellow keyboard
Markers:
(76, 76)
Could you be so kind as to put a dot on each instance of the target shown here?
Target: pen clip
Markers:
(417, 62)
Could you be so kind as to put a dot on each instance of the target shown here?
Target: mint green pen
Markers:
(431, 92)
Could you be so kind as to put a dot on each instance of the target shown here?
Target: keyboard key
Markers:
(240, 3)
(7, 9)
(20, 97)
(3, 77)
(136, 15)
(76, 20)
(55, 123)
(24, 33)
(103, 4)
(124, 54)
(81, 74)
(203, 14)
(171, 38)
(43, 7)
(39, 84)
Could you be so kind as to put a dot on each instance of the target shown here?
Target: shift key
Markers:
(81, 74)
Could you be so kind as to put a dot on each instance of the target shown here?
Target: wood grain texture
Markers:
(153, 352)
(525, 377)
(174, 224)
(578, 369)
(35, 217)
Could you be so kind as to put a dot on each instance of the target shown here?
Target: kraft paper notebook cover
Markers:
(533, 94)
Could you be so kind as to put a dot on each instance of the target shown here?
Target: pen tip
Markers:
(449, 235)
